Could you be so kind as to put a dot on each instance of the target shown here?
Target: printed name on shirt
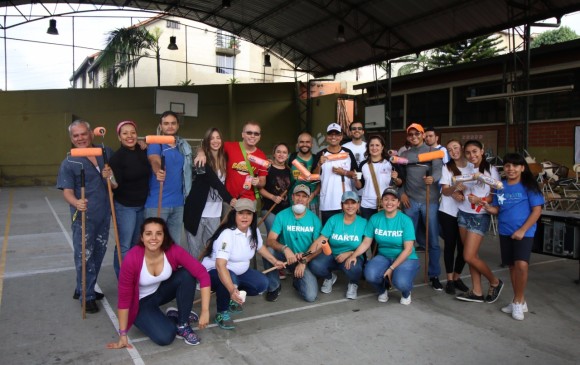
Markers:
(345, 237)
(381, 232)
(290, 228)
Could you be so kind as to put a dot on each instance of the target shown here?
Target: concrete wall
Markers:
(34, 138)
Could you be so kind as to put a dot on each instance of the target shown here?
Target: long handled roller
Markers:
(160, 140)
(422, 157)
(427, 198)
(100, 131)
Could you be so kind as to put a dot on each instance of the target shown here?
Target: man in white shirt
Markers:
(357, 145)
(432, 140)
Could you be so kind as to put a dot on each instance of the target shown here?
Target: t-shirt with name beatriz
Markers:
(515, 205)
(391, 234)
(344, 237)
(296, 233)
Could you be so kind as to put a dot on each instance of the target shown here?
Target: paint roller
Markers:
(160, 139)
(86, 152)
(326, 248)
(393, 153)
(336, 156)
(303, 170)
(496, 184)
(312, 177)
(247, 182)
(259, 161)
(422, 157)
(99, 131)
(462, 178)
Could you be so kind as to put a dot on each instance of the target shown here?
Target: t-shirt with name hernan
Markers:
(344, 237)
(296, 233)
(391, 234)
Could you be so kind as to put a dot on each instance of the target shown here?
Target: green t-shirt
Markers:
(344, 237)
(295, 173)
(298, 234)
(391, 234)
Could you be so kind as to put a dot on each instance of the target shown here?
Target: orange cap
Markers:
(416, 126)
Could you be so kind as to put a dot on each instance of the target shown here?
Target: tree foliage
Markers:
(562, 34)
(465, 51)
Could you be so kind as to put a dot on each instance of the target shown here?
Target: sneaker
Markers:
(383, 298)
(469, 296)
(282, 274)
(460, 285)
(186, 333)
(224, 320)
(518, 311)
(351, 291)
(436, 284)
(450, 287)
(272, 296)
(235, 308)
(98, 296)
(326, 287)
(406, 301)
(509, 308)
(91, 307)
(494, 292)
(173, 314)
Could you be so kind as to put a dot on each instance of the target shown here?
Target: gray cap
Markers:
(391, 190)
(301, 188)
(350, 195)
(245, 204)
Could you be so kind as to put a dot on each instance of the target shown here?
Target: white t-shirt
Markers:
(233, 246)
(383, 170)
(148, 284)
(448, 204)
(359, 155)
(213, 204)
(331, 183)
(478, 189)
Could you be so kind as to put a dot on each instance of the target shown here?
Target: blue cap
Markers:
(350, 195)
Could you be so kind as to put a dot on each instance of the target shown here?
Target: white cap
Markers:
(334, 127)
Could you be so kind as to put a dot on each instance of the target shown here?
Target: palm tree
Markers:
(125, 48)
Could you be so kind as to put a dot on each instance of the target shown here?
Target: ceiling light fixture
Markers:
(267, 62)
(52, 27)
(340, 34)
(172, 43)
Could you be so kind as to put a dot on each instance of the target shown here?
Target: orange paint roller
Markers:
(159, 139)
(303, 170)
(86, 152)
(326, 248)
(430, 156)
(99, 131)
(337, 156)
(259, 161)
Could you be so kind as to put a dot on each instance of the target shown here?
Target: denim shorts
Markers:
(476, 223)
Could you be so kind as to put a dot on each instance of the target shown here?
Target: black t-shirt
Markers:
(132, 172)
(277, 181)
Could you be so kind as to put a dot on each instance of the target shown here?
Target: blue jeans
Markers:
(96, 235)
(269, 221)
(417, 211)
(402, 276)
(307, 285)
(129, 221)
(152, 321)
(252, 281)
(174, 218)
(323, 266)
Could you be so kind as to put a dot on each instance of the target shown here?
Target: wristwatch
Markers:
(303, 261)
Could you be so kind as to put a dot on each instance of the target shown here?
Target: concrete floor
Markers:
(41, 324)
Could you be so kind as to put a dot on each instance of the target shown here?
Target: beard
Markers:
(305, 149)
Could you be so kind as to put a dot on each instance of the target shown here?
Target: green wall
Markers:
(34, 138)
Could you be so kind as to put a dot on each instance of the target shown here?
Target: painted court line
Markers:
(135, 356)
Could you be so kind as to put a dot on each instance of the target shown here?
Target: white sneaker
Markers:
(351, 291)
(509, 308)
(518, 311)
(383, 298)
(406, 301)
(326, 287)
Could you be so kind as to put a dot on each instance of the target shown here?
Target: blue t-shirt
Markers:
(391, 234)
(344, 237)
(173, 185)
(515, 205)
(298, 234)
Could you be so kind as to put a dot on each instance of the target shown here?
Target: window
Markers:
(398, 107)
(173, 24)
(557, 105)
(478, 112)
(430, 108)
(225, 64)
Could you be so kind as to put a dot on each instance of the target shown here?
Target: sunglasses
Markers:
(416, 134)
(252, 133)
(356, 129)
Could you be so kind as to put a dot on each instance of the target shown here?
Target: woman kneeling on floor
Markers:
(153, 273)
(396, 261)
(235, 243)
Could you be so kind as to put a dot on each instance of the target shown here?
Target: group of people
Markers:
(346, 208)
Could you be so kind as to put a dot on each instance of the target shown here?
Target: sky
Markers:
(37, 60)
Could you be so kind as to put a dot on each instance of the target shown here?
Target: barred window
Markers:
(173, 24)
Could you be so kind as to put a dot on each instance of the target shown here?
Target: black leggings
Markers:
(449, 231)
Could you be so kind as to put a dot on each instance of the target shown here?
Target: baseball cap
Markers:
(334, 127)
(416, 126)
(301, 188)
(349, 195)
(391, 190)
(245, 204)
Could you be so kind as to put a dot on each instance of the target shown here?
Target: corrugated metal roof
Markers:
(304, 31)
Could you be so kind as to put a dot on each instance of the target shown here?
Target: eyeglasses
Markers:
(416, 134)
(357, 129)
(252, 133)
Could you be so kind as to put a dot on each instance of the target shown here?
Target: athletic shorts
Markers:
(476, 223)
(514, 250)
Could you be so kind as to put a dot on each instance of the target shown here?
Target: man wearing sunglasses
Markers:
(417, 178)
(357, 145)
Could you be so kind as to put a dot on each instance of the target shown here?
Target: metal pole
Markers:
(5, 58)
(388, 113)
(73, 45)
(186, 78)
